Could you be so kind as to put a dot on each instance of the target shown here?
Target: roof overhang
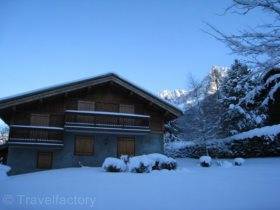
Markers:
(72, 86)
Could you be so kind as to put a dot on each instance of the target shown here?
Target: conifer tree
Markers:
(235, 87)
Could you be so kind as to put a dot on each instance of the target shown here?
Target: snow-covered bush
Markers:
(3, 171)
(238, 161)
(155, 161)
(205, 161)
(162, 162)
(140, 164)
(169, 166)
(114, 165)
(125, 158)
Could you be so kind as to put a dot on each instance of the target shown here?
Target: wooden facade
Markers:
(110, 106)
(105, 98)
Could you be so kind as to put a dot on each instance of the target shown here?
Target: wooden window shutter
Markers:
(84, 145)
(157, 123)
(44, 160)
(126, 108)
(86, 105)
(40, 119)
(121, 147)
(130, 144)
(106, 107)
(126, 146)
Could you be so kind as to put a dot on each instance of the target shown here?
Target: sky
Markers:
(153, 43)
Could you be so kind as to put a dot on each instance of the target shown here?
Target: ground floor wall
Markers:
(24, 160)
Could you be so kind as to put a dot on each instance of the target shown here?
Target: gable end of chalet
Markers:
(11, 103)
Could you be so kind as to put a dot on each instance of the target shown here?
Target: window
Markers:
(126, 108)
(106, 107)
(126, 146)
(84, 145)
(157, 123)
(44, 160)
(86, 105)
(40, 119)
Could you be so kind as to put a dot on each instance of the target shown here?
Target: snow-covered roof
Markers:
(72, 86)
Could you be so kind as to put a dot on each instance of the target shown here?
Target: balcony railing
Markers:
(87, 121)
(55, 119)
(36, 135)
(107, 120)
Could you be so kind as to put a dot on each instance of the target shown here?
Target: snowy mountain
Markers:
(212, 81)
(173, 94)
(176, 97)
(182, 98)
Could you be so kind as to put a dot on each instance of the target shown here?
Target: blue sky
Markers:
(154, 43)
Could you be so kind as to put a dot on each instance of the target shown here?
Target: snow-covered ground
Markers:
(255, 185)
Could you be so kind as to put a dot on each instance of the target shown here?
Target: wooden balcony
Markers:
(107, 122)
(36, 136)
(24, 118)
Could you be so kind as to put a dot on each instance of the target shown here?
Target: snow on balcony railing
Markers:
(53, 141)
(105, 125)
(33, 142)
(106, 119)
(117, 114)
(37, 127)
(144, 129)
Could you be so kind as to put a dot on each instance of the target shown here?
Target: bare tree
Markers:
(259, 45)
(203, 115)
(197, 107)
(4, 133)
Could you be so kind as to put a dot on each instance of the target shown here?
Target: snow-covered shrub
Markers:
(169, 166)
(114, 165)
(3, 171)
(155, 161)
(205, 161)
(238, 161)
(140, 164)
(162, 162)
(125, 158)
